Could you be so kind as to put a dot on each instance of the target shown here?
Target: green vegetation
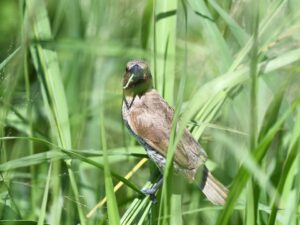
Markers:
(230, 68)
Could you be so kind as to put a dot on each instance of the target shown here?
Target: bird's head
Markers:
(137, 78)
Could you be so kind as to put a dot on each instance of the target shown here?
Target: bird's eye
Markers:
(126, 69)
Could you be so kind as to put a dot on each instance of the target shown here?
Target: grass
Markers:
(230, 69)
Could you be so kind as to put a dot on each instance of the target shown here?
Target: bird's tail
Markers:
(212, 188)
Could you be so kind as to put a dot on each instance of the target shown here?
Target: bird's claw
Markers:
(151, 193)
(153, 199)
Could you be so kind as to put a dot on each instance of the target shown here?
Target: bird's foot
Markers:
(151, 191)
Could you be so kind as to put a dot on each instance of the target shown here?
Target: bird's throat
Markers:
(138, 88)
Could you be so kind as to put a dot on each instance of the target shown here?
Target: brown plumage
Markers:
(149, 118)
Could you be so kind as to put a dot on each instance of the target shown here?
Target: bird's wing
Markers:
(150, 118)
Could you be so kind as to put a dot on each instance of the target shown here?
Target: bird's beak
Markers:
(129, 80)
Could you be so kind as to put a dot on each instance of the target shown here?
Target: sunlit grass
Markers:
(63, 145)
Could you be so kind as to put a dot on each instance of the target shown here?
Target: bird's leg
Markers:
(151, 191)
(154, 188)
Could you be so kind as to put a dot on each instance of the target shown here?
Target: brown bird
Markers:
(149, 119)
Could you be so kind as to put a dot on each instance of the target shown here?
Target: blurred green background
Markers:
(230, 68)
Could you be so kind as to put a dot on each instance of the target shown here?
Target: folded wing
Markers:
(151, 119)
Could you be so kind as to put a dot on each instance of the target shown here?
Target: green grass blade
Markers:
(206, 94)
(240, 35)
(31, 160)
(72, 154)
(165, 42)
(242, 175)
(130, 211)
(214, 38)
(165, 46)
(9, 58)
(252, 195)
(146, 212)
(291, 159)
(144, 204)
(139, 207)
(19, 222)
(46, 64)
(265, 25)
(176, 213)
(146, 23)
(112, 207)
(272, 113)
(45, 197)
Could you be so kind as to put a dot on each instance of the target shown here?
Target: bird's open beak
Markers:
(129, 80)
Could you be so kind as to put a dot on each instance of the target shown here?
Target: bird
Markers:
(148, 118)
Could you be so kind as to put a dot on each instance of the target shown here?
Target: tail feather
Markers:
(213, 189)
